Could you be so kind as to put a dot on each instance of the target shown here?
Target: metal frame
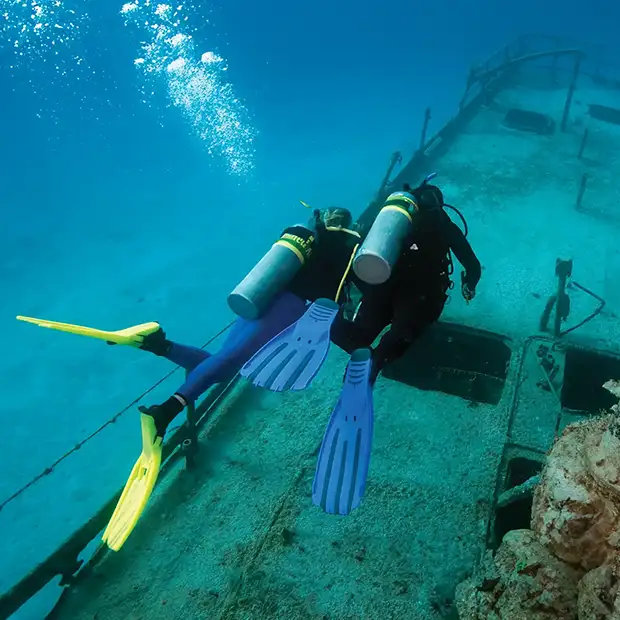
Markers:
(512, 447)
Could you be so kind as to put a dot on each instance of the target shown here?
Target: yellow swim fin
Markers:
(132, 336)
(138, 489)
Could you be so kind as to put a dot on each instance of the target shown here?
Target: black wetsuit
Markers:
(324, 269)
(414, 296)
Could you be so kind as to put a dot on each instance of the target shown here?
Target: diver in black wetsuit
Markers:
(415, 294)
(329, 242)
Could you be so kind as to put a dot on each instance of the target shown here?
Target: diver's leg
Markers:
(346, 334)
(244, 340)
(372, 317)
(412, 315)
(186, 356)
(394, 344)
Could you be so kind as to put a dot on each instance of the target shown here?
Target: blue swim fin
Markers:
(342, 466)
(291, 360)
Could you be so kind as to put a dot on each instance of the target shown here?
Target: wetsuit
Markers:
(320, 277)
(414, 296)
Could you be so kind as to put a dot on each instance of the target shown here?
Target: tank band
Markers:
(399, 209)
(302, 248)
(402, 203)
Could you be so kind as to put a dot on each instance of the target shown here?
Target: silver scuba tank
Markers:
(275, 270)
(376, 258)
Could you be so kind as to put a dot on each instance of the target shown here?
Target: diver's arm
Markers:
(316, 223)
(465, 255)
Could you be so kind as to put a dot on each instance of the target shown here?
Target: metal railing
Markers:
(182, 443)
(484, 82)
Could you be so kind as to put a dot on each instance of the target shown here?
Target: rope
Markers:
(50, 469)
(346, 273)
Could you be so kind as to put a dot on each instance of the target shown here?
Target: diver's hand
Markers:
(468, 292)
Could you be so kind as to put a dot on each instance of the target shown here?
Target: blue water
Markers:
(120, 207)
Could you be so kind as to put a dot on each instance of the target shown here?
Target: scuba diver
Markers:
(319, 255)
(414, 295)
(279, 342)
(404, 266)
(308, 263)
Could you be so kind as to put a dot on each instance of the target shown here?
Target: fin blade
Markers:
(128, 336)
(344, 458)
(267, 359)
(315, 361)
(291, 360)
(138, 489)
(136, 333)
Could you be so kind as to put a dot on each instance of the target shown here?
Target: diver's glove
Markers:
(468, 291)
(166, 412)
(155, 343)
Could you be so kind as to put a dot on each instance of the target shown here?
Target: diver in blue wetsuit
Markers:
(322, 252)
(285, 306)
(307, 264)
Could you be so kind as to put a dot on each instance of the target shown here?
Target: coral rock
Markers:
(523, 582)
(576, 511)
(599, 595)
(476, 597)
(613, 386)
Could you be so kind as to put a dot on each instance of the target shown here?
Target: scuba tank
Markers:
(275, 270)
(376, 258)
(384, 243)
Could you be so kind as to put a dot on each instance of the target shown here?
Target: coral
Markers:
(568, 565)
(523, 582)
(614, 388)
(576, 506)
(599, 595)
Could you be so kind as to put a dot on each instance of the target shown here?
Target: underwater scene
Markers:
(311, 310)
